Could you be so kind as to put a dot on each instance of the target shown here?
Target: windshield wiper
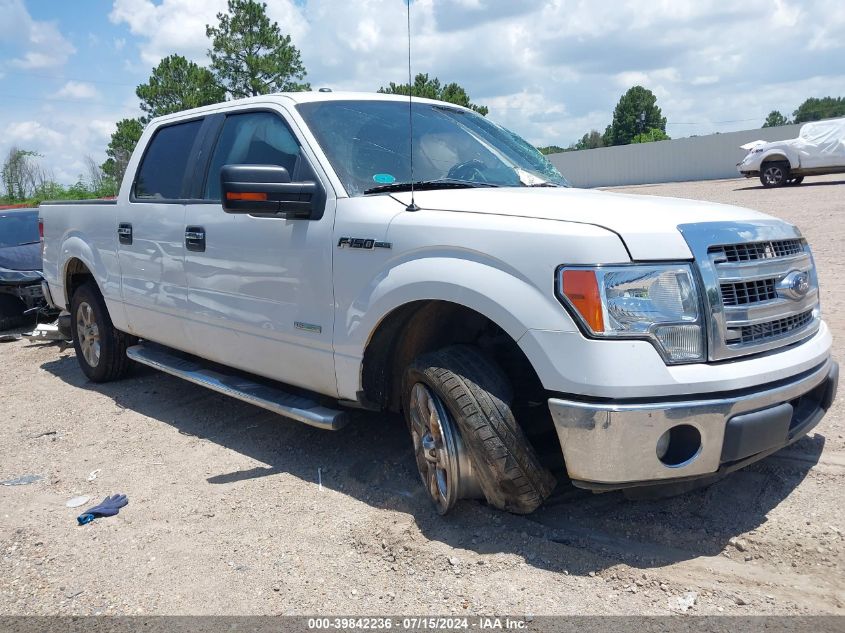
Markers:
(424, 185)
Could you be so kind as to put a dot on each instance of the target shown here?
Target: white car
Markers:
(819, 149)
(271, 249)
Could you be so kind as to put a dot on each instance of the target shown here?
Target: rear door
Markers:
(151, 235)
(260, 288)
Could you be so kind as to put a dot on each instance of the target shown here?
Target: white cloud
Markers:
(33, 134)
(40, 43)
(77, 90)
(178, 26)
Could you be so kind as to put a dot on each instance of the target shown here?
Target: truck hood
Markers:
(648, 225)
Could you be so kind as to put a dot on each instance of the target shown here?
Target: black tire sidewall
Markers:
(498, 489)
(90, 294)
(784, 170)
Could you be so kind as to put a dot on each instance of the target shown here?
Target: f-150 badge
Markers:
(365, 243)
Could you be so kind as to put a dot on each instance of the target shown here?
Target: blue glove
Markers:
(108, 508)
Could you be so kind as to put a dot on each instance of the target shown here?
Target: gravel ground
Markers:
(235, 511)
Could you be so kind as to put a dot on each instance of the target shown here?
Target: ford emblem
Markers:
(795, 285)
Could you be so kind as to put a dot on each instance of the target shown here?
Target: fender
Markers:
(77, 245)
(780, 154)
(510, 301)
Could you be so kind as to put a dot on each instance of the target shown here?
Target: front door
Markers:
(260, 288)
(150, 228)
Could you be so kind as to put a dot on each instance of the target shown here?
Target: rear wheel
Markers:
(774, 174)
(466, 440)
(100, 348)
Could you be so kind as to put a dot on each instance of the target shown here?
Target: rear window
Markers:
(18, 227)
(162, 170)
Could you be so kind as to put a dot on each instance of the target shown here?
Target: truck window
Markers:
(252, 138)
(162, 169)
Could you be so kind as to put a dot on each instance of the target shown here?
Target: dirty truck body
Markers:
(268, 249)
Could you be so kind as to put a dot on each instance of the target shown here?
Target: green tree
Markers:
(551, 149)
(250, 56)
(814, 109)
(650, 136)
(430, 88)
(120, 148)
(178, 84)
(636, 112)
(775, 119)
(591, 140)
(20, 173)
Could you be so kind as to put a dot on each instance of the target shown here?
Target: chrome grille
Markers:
(758, 250)
(744, 292)
(772, 329)
(761, 286)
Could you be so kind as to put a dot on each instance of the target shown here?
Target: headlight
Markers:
(19, 276)
(654, 302)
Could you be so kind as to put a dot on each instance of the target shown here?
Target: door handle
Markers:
(124, 233)
(195, 238)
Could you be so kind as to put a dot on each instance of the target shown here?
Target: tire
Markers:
(795, 181)
(476, 395)
(100, 348)
(12, 313)
(774, 174)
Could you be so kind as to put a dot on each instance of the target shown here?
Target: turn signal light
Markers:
(233, 195)
(582, 290)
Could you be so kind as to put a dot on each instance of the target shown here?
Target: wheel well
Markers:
(76, 274)
(424, 326)
(775, 158)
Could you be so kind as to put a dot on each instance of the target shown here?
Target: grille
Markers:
(757, 250)
(776, 328)
(744, 292)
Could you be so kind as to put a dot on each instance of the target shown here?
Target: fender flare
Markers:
(73, 247)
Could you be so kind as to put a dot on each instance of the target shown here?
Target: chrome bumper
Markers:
(615, 445)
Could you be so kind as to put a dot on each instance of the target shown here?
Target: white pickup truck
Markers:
(271, 249)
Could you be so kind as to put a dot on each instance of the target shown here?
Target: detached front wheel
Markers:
(100, 348)
(466, 441)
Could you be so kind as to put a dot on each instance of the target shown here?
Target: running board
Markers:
(299, 408)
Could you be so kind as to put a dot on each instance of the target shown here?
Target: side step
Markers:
(299, 408)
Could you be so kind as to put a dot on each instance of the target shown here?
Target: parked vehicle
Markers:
(819, 149)
(20, 268)
(271, 249)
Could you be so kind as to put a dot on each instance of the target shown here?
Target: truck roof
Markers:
(298, 97)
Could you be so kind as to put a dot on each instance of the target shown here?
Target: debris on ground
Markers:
(683, 603)
(46, 332)
(109, 507)
(23, 480)
(75, 502)
(93, 474)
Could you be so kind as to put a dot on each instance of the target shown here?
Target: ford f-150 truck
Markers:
(273, 249)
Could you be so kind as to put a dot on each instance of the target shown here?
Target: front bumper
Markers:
(608, 445)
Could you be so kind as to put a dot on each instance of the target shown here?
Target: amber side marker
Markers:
(233, 195)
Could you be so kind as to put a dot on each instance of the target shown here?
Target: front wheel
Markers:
(774, 174)
(100, 348)
(466, 441)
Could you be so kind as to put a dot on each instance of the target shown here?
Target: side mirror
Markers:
(265, 189)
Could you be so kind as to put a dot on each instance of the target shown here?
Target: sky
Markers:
(549, 70)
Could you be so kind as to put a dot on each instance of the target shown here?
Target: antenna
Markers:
(413, 206)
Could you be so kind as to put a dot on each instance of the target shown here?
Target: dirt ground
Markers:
(235, 511)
